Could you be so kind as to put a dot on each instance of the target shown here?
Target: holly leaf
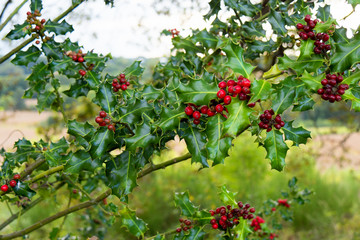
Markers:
(23, 189)
(217, 146)
(196, 233)
(253, 28)
(81, 161)
(340, 37)
(206, 39)
(297, 135)
(300, 65)
(324, 27)
(24, 151)
(135, 225)
(276, 149)
(238, 119)
(186, 44)
(353, 94)
(183, 202)
(77, 89)
(199, 92)
(121, 173)
(307, 48)
(235, 60)
(202, 217)
(19, 31)
(195, 142)
(260, 90)
(170, 118)
(105, 98)
(346, 55)
(56, 154)
(323, 13)
(23, 58)
(45, 99)
(93, 79)
(134, 70)
(352, 79)
(36, 5)
(304, 103)
(58, 28)
(313, 82)
(52, 49)
(277, 22)
(242, 230)
(100, 142)
(39, 72)
(143, 137)
(62, 64)
(132, 114)
(227, 197)
(151, 93)
(214, 8)
(354, 2)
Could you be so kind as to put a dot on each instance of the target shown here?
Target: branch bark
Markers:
(65, 212)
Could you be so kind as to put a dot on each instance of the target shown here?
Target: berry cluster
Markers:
(36, 25)
(255, 223)
(120, 83)
(186, 225)
(227, 217)
(103, 120)
(12, 183)
(283, 202)
(76, 56)
(196, 112)
(229, 89)
(174, 32)
(332, 89)
(306, 32)
(267, 120)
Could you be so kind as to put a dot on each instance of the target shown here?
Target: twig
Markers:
(6, 5)
(163, 234)
(353, 10)
(11, 133)
(274, 75)
(46, 173)
(63, 222)
(11, 14)
(65, 212)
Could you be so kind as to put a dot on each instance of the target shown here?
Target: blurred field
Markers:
(326, 165)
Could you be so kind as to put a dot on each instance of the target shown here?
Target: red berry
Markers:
(107, 121)
(317, 50)
(311, 24)
(189, 110)
(240, 205)
(246, 90)
(82, 72)
(219, 108)
(74, 191)
(325, 37)
(185, 229)
(80, 59)
(12, 183)
(332, 82)
(187, 222)
(246, 83)
(196, 121)
(224, 218)
(237, 89)
(99, 120)
(127, 83)
(37, 42)
(17, 176)
(339, 79)
(307, 18)
(102, 114)
(118, 86)
(123, 87)
(178, 230)
(327, 47)
(231, 83)
(74, 58)
(221, 93)
(277, 126)
(28, 13)
(325, 96)
(37, 28)
(311, 35)
(111, 127)
(212, 221)
(338, 98)
(252, 210)
(299, 26)
(122, 80)
(222, 84)
(215, 226)
(251, 105)
(227, 100)
(204, 109)
(341, 91)
(332, 98)
(122, 75)
(324, 82)
(320, 91)
(306, 29)
(196, 115)
(4, 188)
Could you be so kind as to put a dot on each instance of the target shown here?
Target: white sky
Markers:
(132, 28)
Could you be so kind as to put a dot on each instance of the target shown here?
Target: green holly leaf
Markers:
(253, 28)
(353, 94)
(199, 92)
(93, 79)
(132, 114)
(186, 44)
(260, 90)
(214, 8)
(39, 72)
(227, 197)
(135, 225)
(277, 22)
(217, 146)
(245, 7)
(324, 27)
(77, 89)
(81, 161)
(276, 149)
(299, 66)
(313, 82)
(352, 79)
(62, 64)
(23, 58)
(304, 103)
(260, 46)
(242, 230)
(170, 118)
(134, 70)
(196, 233)
(52, 49)
(206, 39)
(151, 93)
(100, 142)
(45, 99)
(238, 119)
(121, 173)
(297, 135)
(307, 48)
(58, 28)
(202, 217)
(143, 137)
(80, 129)
(183, 202)
(19, 31)
(56, 154)
(196, 142)
(346, 55)
(340, 37)
(36, 5)
(24, 151)
(23, 189)
(354, 2)
(323, 13)
(235, 60)
(105, 98)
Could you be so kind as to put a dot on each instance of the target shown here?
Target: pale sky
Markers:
(132, 28)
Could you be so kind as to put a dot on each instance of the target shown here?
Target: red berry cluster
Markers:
(306, 32)
(227, 217)
(174, 32)
(240, 89)
(36, 25)
(76, 56)
(103, 120)
(12, 183)
(186, 225)
(332, 89)
(196, 112)
(267, 120)
(255, 223)
(120, 83)
(283, 202)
